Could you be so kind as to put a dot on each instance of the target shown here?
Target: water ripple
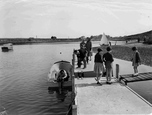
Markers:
(23, 80)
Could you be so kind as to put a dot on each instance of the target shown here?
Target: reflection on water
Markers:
(23, 79)
(143, 88)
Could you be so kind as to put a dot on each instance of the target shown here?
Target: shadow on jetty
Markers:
(87, 74)
(103, 82)
(87, 84)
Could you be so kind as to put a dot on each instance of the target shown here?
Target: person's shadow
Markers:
(87, 84)
(86, 74)
(91, 74)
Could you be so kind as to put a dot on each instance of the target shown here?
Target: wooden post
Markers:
(117, 71)
(74, 107)
(73, 76)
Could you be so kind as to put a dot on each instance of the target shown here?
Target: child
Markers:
(98, 66)
(108, 59)
(136, 60)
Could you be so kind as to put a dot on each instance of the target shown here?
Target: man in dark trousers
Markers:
(108, 59)
(83, 54)
(88, 46)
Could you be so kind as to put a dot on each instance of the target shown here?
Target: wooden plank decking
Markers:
(107, 99)
(141, 77)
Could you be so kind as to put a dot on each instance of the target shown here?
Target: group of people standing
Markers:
(84, 53)
(105, 63)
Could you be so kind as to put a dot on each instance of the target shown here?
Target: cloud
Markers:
(74, 17)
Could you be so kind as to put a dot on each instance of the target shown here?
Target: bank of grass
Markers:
(125, 53)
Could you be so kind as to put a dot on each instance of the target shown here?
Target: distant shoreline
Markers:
(18, 41)
(43, 42)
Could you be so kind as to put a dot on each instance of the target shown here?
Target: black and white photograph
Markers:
(75, 57)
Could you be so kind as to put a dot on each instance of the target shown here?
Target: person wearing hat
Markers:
(136, 60)
(108, 59)
(98, 65)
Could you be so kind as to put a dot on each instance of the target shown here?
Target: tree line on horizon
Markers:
(145, 36)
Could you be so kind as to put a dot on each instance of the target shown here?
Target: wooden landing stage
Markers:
(141, 77)
(93, 99)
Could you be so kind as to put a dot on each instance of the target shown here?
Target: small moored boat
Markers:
(7, 47)
(54, 74)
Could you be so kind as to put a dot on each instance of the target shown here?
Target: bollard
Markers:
(117, 71)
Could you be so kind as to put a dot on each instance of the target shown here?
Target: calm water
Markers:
(23, 79)
(143, 88)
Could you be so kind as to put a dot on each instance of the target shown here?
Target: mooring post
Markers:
(74, 107)
(73, 76)
(117, 71)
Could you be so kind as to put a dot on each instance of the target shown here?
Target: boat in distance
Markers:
(7, 47)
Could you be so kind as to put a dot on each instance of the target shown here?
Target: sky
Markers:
(73, 18)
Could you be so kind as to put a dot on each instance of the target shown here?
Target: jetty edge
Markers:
(116, 98)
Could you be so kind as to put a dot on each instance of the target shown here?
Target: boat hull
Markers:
(54, 86)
